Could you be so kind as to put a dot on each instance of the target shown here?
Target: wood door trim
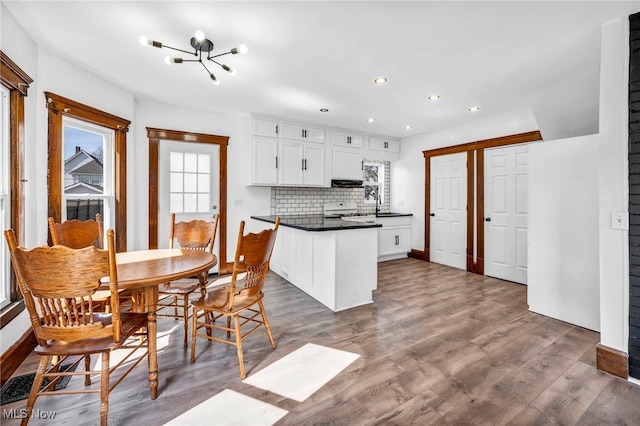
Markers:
(475, 171)
(155, 135)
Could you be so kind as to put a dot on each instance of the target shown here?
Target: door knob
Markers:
(487, 219)
(432, 214)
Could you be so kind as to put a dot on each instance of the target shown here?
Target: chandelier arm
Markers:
(215, 62)
(180, 50)
(219, 54)
(205, 67)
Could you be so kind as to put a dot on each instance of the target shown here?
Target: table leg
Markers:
(151, 299)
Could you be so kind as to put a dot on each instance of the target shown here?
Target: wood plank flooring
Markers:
(437, 346)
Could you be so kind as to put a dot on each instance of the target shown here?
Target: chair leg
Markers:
(87, 368)
(35, 388)
(175, 308)
(194, 327)
(185, 313)
(263, 312)
(228, 327)
(236, 321)
(104, 389)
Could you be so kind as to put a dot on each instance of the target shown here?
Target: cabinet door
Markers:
(352, 141)
(381, 144)
(313, 173)
(301, 133)
(404, 239)
(347, 164)
(387, 241)
(290, 163)
(264, 127)
(264, 161)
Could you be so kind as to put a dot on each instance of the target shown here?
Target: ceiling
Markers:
(304, 56)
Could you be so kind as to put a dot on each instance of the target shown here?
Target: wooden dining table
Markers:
(142, 271)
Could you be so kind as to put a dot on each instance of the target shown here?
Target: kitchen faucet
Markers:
(377, 204)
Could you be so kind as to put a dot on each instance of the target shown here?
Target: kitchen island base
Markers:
(337, 268)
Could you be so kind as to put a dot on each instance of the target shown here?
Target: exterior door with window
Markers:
(188, 180)
(448, 215)
(5, 197)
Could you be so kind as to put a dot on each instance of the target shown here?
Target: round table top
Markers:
(142, 268)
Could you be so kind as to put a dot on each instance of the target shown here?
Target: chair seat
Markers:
(217, 301)
(179, 287)
(131, 322)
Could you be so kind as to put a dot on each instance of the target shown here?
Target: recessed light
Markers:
(324, 110)
(408, 127)
(434, 97)
(370, 120)
(474, 109)
(380, 80)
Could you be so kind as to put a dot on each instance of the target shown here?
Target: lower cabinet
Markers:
(395, 237)
(337, 268)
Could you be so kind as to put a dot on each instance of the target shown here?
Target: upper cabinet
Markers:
(348, 140)
(265, 127)
(302, 133)
(384, 144)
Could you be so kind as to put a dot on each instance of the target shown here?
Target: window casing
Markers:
(374, 183)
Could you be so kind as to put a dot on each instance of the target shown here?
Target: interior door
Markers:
(448, 215)
(189, 187)
(506, 213)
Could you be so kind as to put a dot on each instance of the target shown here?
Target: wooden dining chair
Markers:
(241, 299)
(57, 282)
(77, 234)
(174, 296)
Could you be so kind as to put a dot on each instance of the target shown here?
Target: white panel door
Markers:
(189, 185)
(506, 211)
(448, 216)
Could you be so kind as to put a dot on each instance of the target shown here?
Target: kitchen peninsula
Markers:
(332, 260)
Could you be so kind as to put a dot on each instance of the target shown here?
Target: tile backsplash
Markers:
(288, 201)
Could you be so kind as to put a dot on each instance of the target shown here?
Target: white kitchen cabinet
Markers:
(265, 127)
(264, 159)
(347, 164)
(348, 140)
(300, 163)
(301, 133)
(383, 144)
(292, 257)
(395, 237)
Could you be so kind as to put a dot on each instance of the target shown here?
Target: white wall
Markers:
(407, 174)
(563, 279)
(242, 201)
(613, 184)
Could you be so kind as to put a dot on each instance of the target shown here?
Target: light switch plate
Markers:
(620, 220)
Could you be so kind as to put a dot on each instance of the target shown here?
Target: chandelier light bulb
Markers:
(215, 80)
(199, 35)
(167, 60)
(144, 40)
(228, 69)
(242, 49)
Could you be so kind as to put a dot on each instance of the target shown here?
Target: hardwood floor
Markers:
(438, 346)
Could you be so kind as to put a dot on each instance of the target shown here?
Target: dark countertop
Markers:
(316, 223)
(392, 214)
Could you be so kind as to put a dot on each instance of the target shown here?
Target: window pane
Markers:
(190, 203)
(175, 182)
(204, 181)
(190, 182)
(83, 209)
(203, 203)
(83, 161)
(204, 162)
(370, 192)
(371, 173)
(190, 162)
(175, 203)
(176, 162)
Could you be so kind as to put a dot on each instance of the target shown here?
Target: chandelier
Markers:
(200, 45)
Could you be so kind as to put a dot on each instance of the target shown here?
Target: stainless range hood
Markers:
(346, 183)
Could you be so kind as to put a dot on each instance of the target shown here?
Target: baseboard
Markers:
(612, 361)
(419, 254)
(17, 353)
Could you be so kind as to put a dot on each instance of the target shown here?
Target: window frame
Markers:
(17, 81)
(379, 183)
(59, 107)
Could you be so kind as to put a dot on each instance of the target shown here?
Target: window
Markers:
(87, 171)
(5, 199)
(373, 182)
(93, 179)
(190, 182)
